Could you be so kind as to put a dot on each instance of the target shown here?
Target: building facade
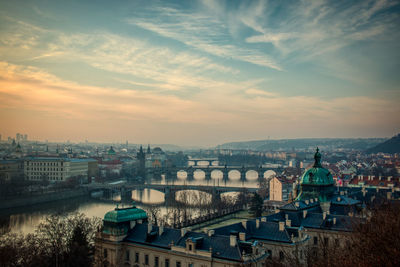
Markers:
(55, 169)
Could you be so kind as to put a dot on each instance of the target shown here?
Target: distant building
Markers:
(280, 189)
(11, 170)
(372, 181)
(56, 169)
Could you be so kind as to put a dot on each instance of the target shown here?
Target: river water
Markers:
(24, 220)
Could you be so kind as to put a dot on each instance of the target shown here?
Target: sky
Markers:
(199, 72)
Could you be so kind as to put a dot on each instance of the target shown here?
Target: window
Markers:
(105, 253)
(315, 240)
(190, 247)
(146, 259)
(178, 264)
(270, 254)
(326, 241)
(127, 255)
(190, 265)
(166, 262)
(156, 261)
(281, 255)
(136, 257)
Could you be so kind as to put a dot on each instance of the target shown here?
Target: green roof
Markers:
(316, 182)
(317, 175)
(111, 151)
(125, 215)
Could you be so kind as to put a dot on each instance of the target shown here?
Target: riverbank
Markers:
(41, 199)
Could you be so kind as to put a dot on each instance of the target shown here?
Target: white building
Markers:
(54, 169)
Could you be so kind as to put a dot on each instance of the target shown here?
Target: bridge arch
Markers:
(234, 175)
(193, 197)
(148, 196)
(269, 174)
(252, 175)
(199, 174)
(217, 174)
(182, 174)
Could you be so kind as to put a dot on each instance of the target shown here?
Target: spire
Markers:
(148, 149)
(141, 149)
(317, 159)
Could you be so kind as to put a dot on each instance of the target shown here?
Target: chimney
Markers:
(232, 240)
(307, 202)
(286, 216)
(183, 232)
(316, 199)
(334, 220)
(211, 232)
(281, 226)
(288, 223)
(244, 223)
(139, 221)
(324, 215)
(297, 204)
(160, 229)
(257, 223)
(312, 200)
(149, 228)
(304, 214)
(341, 193)
(132, 224)
(242, 236)
(263, 219)
(338, 199)
(325, 206)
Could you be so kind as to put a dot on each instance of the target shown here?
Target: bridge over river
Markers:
(243, 171)
(169, 190)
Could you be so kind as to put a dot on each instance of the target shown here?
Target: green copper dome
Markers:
(317, 175)
(125, 215)
(316, 182)
(111, 151)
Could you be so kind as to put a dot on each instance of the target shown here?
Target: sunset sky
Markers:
(199, 72)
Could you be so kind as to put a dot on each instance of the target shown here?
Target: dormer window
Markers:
(190, 247)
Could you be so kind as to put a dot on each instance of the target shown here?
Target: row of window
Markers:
(46, 174)
(44, 163)
(41, 178)
(44, 169)
(156, 260)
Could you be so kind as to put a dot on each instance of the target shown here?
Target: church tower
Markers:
(141, 156)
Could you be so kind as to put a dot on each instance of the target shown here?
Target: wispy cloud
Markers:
(203, 32)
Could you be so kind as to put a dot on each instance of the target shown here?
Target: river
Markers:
(25, 220)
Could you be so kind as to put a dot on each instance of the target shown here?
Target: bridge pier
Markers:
(225, 174)
(126, 195)
(157, 173)
(243, 172)
(169, 195)
(190, 173)
(207, 173)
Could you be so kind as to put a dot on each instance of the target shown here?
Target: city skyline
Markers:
(198, 73)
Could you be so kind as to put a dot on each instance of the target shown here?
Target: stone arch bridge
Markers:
(169, 190)
(243, 170)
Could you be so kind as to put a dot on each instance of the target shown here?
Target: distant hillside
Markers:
(308, 143)
(390, 146)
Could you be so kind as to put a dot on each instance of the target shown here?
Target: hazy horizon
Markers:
(199, 73)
